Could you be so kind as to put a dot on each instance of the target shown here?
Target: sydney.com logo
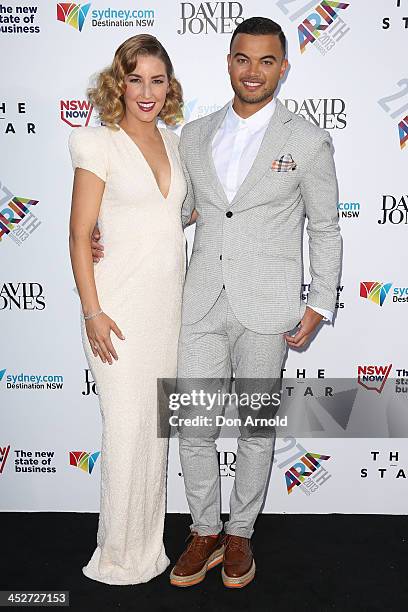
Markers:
(32, 381)
(377, 292)
(75, 15)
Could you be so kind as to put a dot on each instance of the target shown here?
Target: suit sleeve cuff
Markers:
(326, 314)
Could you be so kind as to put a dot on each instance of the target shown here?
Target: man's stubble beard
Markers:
(247, 100)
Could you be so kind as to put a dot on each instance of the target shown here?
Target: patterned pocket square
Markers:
(284, 163)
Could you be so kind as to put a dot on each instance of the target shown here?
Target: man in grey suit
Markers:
(254, 170)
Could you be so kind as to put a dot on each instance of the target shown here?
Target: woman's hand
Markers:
(98, 331)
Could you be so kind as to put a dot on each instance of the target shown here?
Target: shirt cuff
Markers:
(326, 314)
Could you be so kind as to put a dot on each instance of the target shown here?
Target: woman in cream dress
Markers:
(129, 180)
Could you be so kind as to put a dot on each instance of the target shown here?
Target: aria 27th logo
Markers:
(303, 470)
(400, 113)
(17, 220)
(323, 27)
(298, 475)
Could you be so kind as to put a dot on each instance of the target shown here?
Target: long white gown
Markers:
(139, 283)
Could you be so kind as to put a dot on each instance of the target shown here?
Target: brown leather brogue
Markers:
(239, 566)
(201, 554)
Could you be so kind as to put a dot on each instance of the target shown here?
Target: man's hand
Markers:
(96, 247)
(193, 218)
(307, 326)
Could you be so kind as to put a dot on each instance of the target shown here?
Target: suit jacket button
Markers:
(228, 214)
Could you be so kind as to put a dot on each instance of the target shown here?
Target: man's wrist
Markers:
(326, 314)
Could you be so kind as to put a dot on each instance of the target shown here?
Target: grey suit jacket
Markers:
(257, 250)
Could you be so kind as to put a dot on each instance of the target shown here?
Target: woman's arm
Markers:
(86, 201)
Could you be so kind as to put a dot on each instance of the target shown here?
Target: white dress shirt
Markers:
(234, 148)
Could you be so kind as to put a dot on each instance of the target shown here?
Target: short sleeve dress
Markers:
(139, 282)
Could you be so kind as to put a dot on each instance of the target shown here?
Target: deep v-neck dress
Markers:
(139, 283)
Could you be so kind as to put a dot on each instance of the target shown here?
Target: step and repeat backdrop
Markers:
(348, 74)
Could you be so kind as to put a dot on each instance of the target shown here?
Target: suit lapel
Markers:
(276, 135)
(208, 131)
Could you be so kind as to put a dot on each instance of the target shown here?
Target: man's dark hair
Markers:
(259, 26)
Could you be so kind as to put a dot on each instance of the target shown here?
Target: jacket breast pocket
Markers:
(278, 184)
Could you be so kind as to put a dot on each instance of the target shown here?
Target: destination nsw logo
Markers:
(374, 291)
(377, 292)
(192, 110)
(348, 210)
(83, 460)
(207, 17)
(323, 27)
(32, 382)
(75, 15)
(373, 377)
(76, 113)
(16, 218)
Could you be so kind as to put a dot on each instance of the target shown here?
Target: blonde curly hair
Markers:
(107, 94)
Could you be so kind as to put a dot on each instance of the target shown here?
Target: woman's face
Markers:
(146, 88)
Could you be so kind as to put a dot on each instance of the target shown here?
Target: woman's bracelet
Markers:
(92, 316)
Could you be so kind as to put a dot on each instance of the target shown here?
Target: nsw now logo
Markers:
(76, 113)
(373, 377)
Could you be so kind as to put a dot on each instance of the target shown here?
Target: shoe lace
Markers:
(197, 542)
(236, 543)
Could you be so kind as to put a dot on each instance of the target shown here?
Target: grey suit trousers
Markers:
(212, 348)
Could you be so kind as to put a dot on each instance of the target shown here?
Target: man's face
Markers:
(255, 65)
